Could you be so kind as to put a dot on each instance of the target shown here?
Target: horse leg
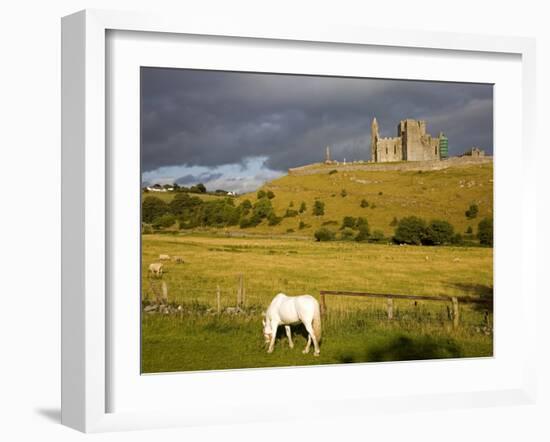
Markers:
(306, 350)
(309, 329)
(273, 337)
(289, 336)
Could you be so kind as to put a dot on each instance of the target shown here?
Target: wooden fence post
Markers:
(323, 304)
(240, 291)
(164, 288)
(456, 314)
(218, 300)
(390, 308)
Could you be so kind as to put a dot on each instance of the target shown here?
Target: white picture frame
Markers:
(85, 216)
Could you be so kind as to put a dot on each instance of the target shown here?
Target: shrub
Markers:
(347, 234)
(485, 232)
(394, 222)
(330, 223)
(469, 230)
(361, 223)
(246, 204)
(151, 208)
(380, 193)
(324, 234)
(146, 229)
(261, 194)
(410, 230)
(472, 212)
(456, 239)
(333, 171)
(438, 232)
(377, 236)
(289, 230)
(291, 204)
(364, 203)
(372, 206)
(291, 213)
(343, 193)
(348, 221)
(303, 207)
(303, 225)
(270, 194)
(273, 219)
(362, 234)
(318, 208)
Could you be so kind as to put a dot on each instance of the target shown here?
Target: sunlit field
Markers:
(354, 330)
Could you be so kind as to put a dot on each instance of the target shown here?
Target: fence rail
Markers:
(391, 296)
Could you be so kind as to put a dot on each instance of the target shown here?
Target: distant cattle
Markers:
(164, 257)
(178, 259)
(156, 269)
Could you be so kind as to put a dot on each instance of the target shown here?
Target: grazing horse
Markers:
(288, 310)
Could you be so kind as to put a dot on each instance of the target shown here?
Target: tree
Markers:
(364, 203)
(183, 203)
(261, 194)
(472, 212)
(303, 207)
(438, 232)
(270, 194)
(485, 231)
(151, 208)
(324, 234)
(246, 204)
(410, 230)
(201, 187)
(163, 221)
(262, 208)
(290, 213)
(318, 208)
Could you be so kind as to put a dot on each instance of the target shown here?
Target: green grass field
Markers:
(354, 330)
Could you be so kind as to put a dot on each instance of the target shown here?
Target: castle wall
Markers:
(389, 149)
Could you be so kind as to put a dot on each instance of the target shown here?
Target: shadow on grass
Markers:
(483, 292)
(405, 348)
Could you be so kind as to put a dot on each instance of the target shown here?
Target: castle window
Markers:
(386, 150)
(394, 149)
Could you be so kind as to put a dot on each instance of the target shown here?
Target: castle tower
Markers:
(327, 155)
(373, 140)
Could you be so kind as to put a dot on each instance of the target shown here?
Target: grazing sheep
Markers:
(178, 259)
(156, 269)
(164, 257)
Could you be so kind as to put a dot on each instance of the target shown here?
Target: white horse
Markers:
(288, 310)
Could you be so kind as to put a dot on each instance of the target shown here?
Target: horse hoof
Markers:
(305, 352)
(316, 354)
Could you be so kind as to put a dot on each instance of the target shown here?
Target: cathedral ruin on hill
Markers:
(411, 144)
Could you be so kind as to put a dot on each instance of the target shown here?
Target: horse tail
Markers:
(316, 323)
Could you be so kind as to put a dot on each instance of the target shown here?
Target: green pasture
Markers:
(354, 330)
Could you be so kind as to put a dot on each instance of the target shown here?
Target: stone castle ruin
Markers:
(411, 144)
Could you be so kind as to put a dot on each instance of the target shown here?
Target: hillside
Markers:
(443, 194)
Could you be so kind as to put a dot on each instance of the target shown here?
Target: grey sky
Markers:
(228, 127)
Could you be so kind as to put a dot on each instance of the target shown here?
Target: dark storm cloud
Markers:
(209, 118)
